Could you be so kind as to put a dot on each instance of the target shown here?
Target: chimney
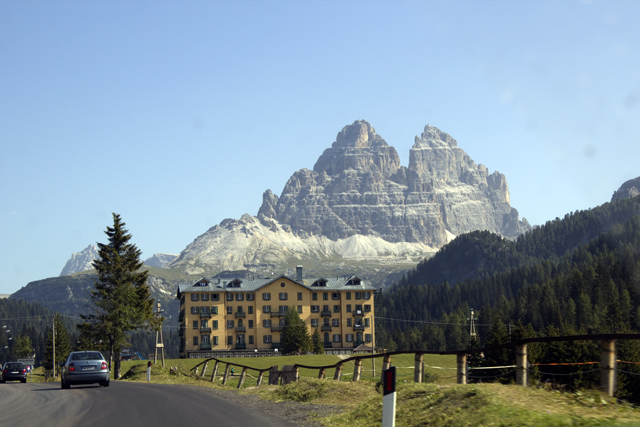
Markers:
(299, 273)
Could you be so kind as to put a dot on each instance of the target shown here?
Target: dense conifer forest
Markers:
(575, 275)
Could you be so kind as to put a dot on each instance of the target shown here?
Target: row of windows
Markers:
(283, 296)
(267, 323)
(267, 339)
(336, 322)
(283, 308)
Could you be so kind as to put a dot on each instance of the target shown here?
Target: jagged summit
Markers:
(630, 188)
(80, 261)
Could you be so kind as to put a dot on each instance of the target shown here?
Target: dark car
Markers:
(85, 367)
(14, 371)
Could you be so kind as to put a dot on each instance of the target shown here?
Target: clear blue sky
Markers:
(177, 115)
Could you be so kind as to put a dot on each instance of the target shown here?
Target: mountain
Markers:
(630, 188)
(359, 210)
(160, 260)
(80, 261)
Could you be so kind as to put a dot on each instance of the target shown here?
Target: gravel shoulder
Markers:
(302, 414)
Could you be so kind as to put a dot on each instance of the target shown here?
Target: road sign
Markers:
(30, 362)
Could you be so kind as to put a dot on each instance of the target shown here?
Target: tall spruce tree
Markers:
(62, 344)
(121, 299)
(316, 340)
(295, 335)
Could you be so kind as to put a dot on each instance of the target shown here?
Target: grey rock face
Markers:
(160, 260)
(359, 187)
(80, 261)
(630, 188)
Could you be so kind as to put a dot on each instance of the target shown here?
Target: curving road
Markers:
(122, 404)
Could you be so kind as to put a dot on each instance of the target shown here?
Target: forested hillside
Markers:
(576, 275)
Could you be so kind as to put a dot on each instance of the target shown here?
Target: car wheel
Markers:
(23, 380)
(104, 383)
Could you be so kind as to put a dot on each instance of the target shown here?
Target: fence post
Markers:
(608, 366)
(226, 374)
(462, 368)
(204, 369)
(215, 371)
(260, 377)
(417, 373)
(386, 364)
(357, 370)
(338, 375)
(521, 365)
(274, 376)
(321, 374)
(242, 377)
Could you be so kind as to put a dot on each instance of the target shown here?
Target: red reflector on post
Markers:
(389, 382)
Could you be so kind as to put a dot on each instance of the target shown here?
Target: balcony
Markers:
(326, 328)
(241, 346)
(205, 315)
(278, 313)
(205, 330)
(328, 344)
(358, 313)
(277, 328)
(241, 329)
(325, 313)
(358, 327)
(276, 345)
(241, 314)
(205, 346)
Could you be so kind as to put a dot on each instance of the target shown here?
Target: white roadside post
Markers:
(149, 371)
(389, 397)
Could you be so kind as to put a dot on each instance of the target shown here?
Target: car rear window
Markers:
(14, 366)
(90, 355)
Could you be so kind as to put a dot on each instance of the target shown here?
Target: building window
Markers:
(283, 296)
(299, 296)
(300, 309)
(195, 324)
(349, 337)
(239, 309)
(336, 309)
(205, 339)
(229, 297)
(281, 322)
(229, 309)
(366, 322)
(368, 337)
(204, 297)
(266, 309)
(325, 296)
(230, 340)
(239, 297)
(250, 308)
(283, 308)
(315, 309)
(349, 322)
(314, 323)
(250, 339)
(335, 296)
(195, 297)
(326, 321)
(367, 308)
(250, 323)
(214, 324)
(215, 297)
(195, 310)
(195, 340)
(229, 324)
(359, 308)
(266, 323)
(325, 308)
(204, 323)
(214, 310)
(348, 308)
(366, 295)
(336, 322)
(336, 337)
(358, 295)
(215, 340)
(250, 297)
(266, 296)
(266, 339)
(314, 296)
(348, 295)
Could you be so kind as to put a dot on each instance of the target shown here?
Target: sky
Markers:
(177, 115)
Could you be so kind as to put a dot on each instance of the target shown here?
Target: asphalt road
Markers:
(122, 404)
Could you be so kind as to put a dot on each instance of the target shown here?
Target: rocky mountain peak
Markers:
(80, 261)
(630, 188)
(434, 138)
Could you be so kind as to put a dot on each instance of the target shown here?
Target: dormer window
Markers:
(320, 282)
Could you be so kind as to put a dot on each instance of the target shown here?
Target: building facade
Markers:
(245, 317)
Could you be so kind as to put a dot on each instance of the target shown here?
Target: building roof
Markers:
(253, 284)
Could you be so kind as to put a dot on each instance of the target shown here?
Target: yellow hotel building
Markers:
(244, 317)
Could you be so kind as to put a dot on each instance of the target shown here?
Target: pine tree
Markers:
(121, 299)
(24, 348)
(62, 344)
(295, 335)
(318, 346)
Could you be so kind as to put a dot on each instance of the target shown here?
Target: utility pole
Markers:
(159, 343)
(53, 335)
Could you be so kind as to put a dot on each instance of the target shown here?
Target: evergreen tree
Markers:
(24, 348)
(62, 344)
(295, 335)
(318, 346)
(121, 299)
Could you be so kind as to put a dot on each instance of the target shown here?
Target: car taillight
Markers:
(5, 371)
(104, 365)
(72, 368)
